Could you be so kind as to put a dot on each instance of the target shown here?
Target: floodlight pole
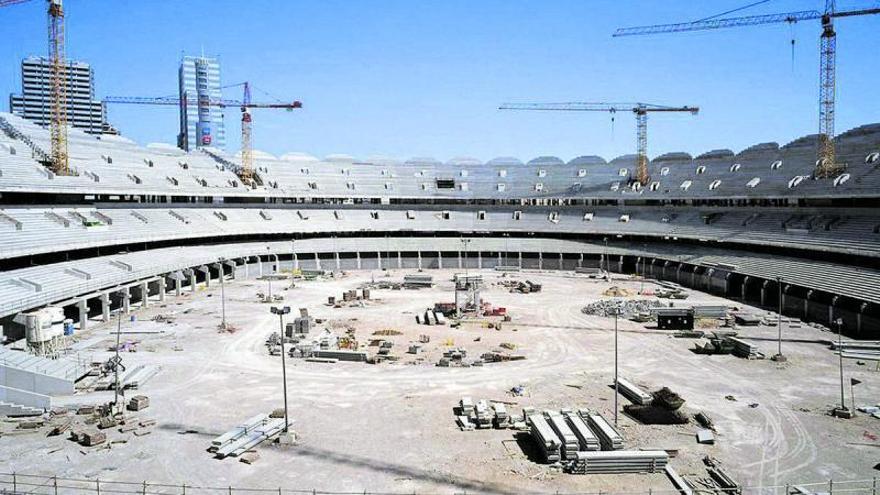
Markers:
(281, 311)
(222, 294)
(779, 356)
(616, 311)
(839, 323)
(117, 360)
(269, 278)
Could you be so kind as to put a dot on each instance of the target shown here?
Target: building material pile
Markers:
(619, 462)
(418, 281)
(867, 350)
(481, 414)
(633, 392)
(628, 309)
(246, 436)
(545, 437)
(340, 355)
(570, 442)
(609, 437)
(745, 349)
(586, 438)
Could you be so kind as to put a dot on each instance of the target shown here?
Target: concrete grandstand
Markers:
(730, 223)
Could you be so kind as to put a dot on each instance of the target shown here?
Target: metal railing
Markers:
(30, 484)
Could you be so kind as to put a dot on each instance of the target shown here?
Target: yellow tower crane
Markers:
(826, 160)
(58, 80)
(640, 110)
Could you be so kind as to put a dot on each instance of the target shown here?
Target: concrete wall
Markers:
(34, 382)
(25, 398)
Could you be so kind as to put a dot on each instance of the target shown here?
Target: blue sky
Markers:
(424, 78)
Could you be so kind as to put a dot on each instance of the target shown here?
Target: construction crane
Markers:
(58, 64)
(640, 110)
(246, 172)
(826, 161)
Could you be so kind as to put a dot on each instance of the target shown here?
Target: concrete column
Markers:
(83, 306)
(358, 258)
(192, 280)
(581, 260)
(807, 303)
(260, 265)
(207, 271)
(338, 263)
(561, 264)
(764, 292)
(277, 263)
(499, 257)
(296, 262)
(105, 307)
(743, 288)
(459, 260)
(379, 257)
(620, 264)
(162, 289)
(126, 300)
(419, 254)
(862, 308)
(831, 310)
(145, 295)
(480, 260)
(246, 269)
(678, 273)
(519, 259)
(540, 260)
(440, 260)
(317, 261)
(399, 260)
(233, 266)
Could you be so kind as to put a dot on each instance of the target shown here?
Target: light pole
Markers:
(281, 311)
(779, 357)
(616, 313)
(605, 255)
(269, 277)
(222, 295)
(465, 242)
(842, 411)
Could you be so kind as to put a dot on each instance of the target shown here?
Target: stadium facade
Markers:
(139, 221)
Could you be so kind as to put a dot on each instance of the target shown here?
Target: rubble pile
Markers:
(628, 309)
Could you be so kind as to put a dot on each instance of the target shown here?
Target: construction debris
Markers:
(628, 309)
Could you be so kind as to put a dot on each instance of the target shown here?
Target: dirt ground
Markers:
(390, 427)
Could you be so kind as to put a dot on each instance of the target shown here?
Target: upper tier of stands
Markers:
(112, 165)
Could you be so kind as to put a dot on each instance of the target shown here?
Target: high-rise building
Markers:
(201, 122)
(35, 101)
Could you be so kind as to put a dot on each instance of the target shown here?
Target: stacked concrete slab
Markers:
(609, 437)
(620, 462)
(545, 437)
(570, 442)
(744, 348)
(633, 392)
(246, 436)
(588, 441)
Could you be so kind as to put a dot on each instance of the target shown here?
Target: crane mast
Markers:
(640, 110)
(58, 64)
(826, 165)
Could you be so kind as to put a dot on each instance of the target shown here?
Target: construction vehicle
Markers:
(826, 162)
(246, 170)
(640, 110)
